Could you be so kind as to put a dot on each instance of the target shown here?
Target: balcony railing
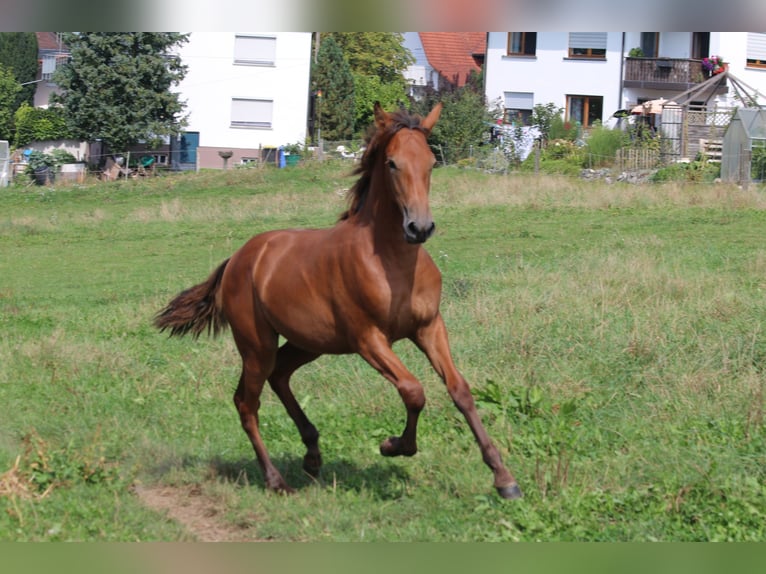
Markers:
(674, 73)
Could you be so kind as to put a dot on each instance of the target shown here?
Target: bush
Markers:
(543, 116)
(37, 124)
(602, 144)
(62, 156)
(559, 149)
(758, 164)
(39, 160)
(563, 129)
(696, 171)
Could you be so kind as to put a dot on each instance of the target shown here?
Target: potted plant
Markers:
(636, 53)
(40, 167)
(714, 65)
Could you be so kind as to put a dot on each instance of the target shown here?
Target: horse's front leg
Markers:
(377, 352)
(433, 341)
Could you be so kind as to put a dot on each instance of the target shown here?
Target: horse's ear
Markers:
(381, 117)
(430, 120)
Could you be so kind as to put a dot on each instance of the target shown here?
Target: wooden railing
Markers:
(664, 71)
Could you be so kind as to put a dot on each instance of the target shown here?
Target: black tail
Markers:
(195, 310)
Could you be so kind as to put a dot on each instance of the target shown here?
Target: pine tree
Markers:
(117, 86)
(18, 53)
(332, 78)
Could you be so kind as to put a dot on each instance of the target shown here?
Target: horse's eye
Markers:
(392, 165)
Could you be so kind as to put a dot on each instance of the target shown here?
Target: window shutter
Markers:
(251, 113)
(255, 50)
(756, 46)
(519, 100)
(585, 40)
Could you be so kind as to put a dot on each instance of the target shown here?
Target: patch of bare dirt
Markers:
(191, 508)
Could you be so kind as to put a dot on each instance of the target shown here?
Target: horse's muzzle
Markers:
(415, 233)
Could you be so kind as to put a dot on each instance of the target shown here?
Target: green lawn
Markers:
(614, 336)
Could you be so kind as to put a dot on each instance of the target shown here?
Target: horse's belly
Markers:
(309, 327)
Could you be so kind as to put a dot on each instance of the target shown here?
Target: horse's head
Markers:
(408, 162)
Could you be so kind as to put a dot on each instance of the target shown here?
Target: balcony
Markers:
(671, 74)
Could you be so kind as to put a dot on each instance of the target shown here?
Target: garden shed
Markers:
(744, 146)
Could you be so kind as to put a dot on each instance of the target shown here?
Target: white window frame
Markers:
(252, 113)
(255, 50)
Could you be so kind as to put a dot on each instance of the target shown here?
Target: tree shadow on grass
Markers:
(383, 481)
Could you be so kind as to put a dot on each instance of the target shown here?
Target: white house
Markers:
(421, 73)
(593, 75)
(246, 93)
(576, 71)
(443, 58)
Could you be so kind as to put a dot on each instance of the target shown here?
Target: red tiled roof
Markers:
(49, 41)
(454, 54)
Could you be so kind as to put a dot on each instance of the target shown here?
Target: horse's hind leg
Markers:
(289, 359)
(257, 364)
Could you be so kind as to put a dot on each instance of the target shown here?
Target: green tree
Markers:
(117, 86)
(378, 54)
(378, 61)
(368, 90)
(464, 122)
(9, 88)
(331, 75)
(18, 52)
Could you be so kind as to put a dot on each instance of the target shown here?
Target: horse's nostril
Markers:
(412, 227)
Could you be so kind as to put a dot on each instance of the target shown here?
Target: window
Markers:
(247, 113)
(518, 107)
(650, 44)
(522, 43)
(700, 45)
(255, 50)
(585, 109)
(756, 50)
(587, 45)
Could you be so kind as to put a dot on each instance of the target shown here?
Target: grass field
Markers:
(614, 337)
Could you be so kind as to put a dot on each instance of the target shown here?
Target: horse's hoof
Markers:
(393, 447)
(311, 466)
(510, 492)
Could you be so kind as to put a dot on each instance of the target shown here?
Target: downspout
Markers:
(484, 70)
(622, 72)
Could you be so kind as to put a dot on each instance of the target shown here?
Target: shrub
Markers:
(696, 171)
(38, 124)
(559, 149)
(602, 145)
(543, 116)
(563, 129)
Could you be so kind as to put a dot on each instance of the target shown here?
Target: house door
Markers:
(650, 44)
(189, 142)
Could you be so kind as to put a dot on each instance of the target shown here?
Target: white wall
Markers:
(213, 80)
(550, 75)
(420, 73)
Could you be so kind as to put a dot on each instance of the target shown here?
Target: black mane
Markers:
(376, 143)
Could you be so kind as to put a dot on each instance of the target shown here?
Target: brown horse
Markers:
(356, 287)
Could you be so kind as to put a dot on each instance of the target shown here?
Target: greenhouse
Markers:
(744, 146)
